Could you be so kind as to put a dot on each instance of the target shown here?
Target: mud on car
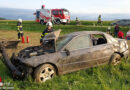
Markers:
(65, 54)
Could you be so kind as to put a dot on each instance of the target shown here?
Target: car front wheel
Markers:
(115, 59)
(44, 72)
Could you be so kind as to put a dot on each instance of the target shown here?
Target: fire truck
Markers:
(57, 16)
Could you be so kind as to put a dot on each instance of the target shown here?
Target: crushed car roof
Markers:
(55, 34)
(85, 32)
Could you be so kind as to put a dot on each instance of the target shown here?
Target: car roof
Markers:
(84, 33)
(73, 34)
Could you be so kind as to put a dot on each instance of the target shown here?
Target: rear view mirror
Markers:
(67, 52)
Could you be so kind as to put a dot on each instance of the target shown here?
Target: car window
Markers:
(55, 12)
(80, 42)
(60, 12)
(98, 39)
(62, 41)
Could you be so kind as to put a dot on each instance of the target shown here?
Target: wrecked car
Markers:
(65, 54)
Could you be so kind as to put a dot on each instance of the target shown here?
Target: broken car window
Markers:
(98, 39)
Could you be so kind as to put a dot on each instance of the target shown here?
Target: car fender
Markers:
(38, 60)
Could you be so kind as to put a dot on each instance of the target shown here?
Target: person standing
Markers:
(128, 35)
(99, 20)
(77, 21)
(48, 30)
(120, 34)
(109, 30)
(116, 30)
(20, 29)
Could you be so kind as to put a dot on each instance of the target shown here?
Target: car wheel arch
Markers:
(121, 55)
(52, 64)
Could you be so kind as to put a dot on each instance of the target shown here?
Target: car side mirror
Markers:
(67, 52)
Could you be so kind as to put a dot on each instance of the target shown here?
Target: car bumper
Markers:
(126, 54)
(64, 20)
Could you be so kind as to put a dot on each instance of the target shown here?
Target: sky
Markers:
(74, 6)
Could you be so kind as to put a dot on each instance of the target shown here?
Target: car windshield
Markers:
(62, 41)
(66, 12)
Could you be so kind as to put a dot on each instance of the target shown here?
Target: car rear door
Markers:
(102, 51)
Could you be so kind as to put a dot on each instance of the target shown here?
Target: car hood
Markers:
(53, 35)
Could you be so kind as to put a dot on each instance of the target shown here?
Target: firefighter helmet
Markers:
(49, 24)
(20, 20)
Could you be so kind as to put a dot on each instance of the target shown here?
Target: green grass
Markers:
(72, 27)
(98, 78)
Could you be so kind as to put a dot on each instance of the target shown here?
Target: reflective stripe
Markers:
(21, 31)
(46, 33)
(43, 35)
(19, 26)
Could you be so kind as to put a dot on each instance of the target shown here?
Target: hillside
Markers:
(2, 18)
(27, 14)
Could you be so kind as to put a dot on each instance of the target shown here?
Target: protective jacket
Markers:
(45, 32)
(19, 27)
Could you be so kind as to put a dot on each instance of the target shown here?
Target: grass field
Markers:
(99, 78)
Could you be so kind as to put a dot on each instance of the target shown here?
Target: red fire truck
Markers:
(57, 16)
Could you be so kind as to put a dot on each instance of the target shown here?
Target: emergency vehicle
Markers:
(56, 16)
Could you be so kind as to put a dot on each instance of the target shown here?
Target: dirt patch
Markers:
(34, 39)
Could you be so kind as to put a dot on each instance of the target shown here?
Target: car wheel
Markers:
(115, 59)
(42, 22)
(44, 72)
(57, 21)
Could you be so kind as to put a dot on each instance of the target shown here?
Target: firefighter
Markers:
(109, 30)
(77, 21)
(99, 20)
(49, 29)
(20, 29)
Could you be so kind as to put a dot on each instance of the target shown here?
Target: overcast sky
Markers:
(75, 6)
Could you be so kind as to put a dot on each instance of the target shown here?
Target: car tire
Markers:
(42, 22)
(44, 72)
(115, 59)
(57, 21)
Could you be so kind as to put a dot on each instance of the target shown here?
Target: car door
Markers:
(79, 51)
(101, 52)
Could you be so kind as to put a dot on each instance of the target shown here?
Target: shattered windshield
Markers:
(62, 41)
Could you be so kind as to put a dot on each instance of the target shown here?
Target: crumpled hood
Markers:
(53, 35)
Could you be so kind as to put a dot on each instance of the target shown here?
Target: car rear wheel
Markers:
(57, 21)
(42, 22)
(115, 60)
(44, 72)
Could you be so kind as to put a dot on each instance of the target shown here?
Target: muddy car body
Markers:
(72, 52)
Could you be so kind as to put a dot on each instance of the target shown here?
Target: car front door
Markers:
(76, 52)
